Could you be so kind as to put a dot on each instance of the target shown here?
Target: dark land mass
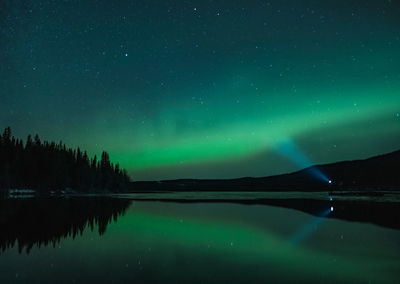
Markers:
(374, 174)
(49, 166)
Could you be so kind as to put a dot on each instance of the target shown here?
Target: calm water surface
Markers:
(119, 240)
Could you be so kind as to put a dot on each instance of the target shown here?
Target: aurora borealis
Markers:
(204, 89)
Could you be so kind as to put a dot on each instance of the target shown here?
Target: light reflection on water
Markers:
(202, 242)
(389, 196)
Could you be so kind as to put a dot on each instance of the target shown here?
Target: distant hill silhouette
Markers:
(376, 173)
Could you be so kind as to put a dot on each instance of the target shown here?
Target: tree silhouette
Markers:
(50, 166)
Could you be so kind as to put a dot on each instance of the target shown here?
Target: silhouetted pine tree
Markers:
(50, 166)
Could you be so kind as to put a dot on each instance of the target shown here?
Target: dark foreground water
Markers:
(120, 240)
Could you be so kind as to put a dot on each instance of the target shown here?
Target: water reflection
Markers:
(202, 242)
(378, 213)
(26, 223)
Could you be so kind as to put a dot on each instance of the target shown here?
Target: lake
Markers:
(205, 238)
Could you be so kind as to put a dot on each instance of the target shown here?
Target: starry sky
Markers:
(204, 89)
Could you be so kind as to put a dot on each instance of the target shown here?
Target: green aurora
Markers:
(204, 89)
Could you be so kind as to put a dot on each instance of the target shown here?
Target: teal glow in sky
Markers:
(204, 89)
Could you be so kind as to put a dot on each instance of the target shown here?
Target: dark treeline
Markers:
(52, 166)
(37, 222)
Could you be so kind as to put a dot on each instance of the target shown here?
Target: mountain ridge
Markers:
(373, 173)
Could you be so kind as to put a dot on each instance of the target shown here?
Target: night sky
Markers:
(204, 89)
